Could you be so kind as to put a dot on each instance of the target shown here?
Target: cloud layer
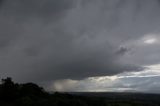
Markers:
(47, 40)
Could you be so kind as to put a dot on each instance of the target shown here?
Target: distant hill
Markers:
(30, 94)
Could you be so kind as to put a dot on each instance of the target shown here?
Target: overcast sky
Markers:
(82, 45)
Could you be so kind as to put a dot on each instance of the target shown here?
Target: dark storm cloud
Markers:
(1, 2)
(36, 8)
(57, 39)
(122, 50)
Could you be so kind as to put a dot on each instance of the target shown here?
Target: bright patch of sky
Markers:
(150, 39)
(142, 81)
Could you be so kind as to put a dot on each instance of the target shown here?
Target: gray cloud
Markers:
(57, 39)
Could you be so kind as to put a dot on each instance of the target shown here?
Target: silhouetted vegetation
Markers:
(30, 94)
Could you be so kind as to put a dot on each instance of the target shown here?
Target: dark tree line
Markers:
(11, 92)
(30, 94)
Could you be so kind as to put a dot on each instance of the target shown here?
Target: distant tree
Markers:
(9, 90)
(31, 89)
